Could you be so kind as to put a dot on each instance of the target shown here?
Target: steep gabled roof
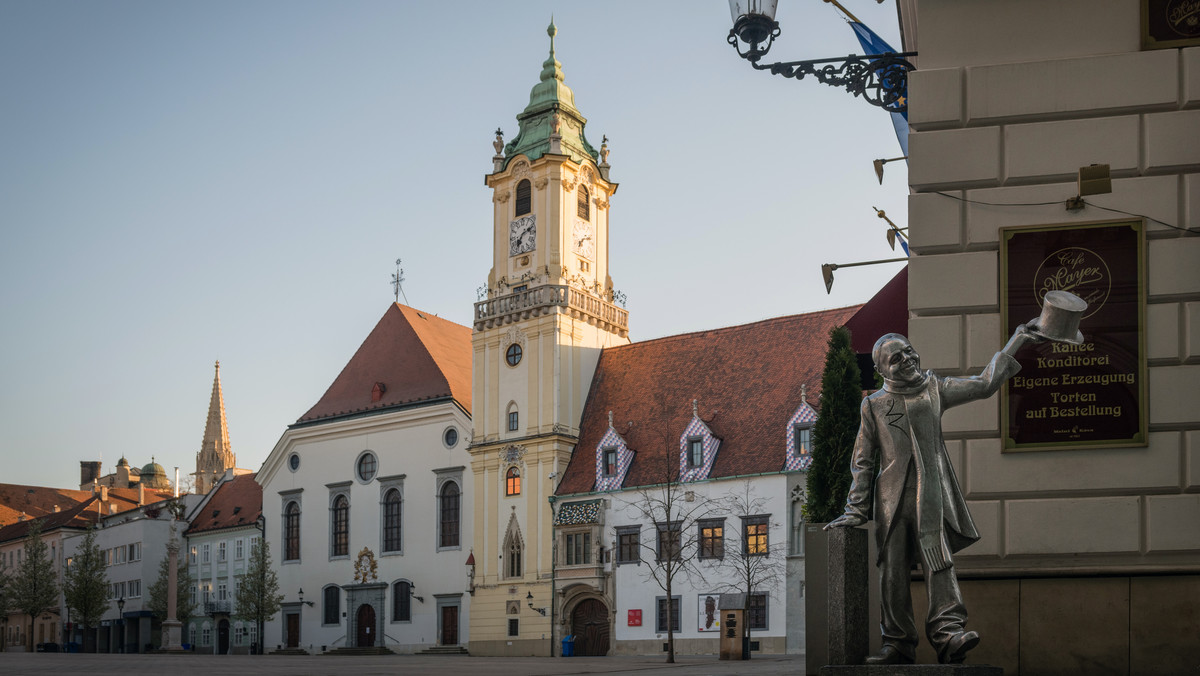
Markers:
(746, 380)
(234, 503)
(416, 357)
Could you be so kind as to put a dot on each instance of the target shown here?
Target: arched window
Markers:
(584, 208)
(513, 550)
(514, 418)
(402, 601)
(448, 518)
(339, 536)
(332, 605)
(512, 481)
(391, 521)
(524, 197)
(291, 532)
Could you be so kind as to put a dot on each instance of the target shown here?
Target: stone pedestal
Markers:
(911, 670)
(172, 634)
(848, 637)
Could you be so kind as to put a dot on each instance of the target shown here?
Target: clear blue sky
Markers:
(182, 182)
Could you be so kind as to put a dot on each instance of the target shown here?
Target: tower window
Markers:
(513, 354)
(524, 197)
(584, 209)
(512, 481)
(514, 421)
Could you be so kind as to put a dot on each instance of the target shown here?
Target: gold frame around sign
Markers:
(1149, 42)
(1141, 438)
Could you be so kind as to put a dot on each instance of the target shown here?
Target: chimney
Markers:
(22, 517)
(89, 471)
(103, 493)
(56, 509)
(112, 508)
(141, 494)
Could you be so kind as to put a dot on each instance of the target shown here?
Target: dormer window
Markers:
(802, 440)
(524, 197)
(695, 452)
(584, 207)
(610, 462)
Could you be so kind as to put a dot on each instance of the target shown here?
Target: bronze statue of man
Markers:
(902, 478)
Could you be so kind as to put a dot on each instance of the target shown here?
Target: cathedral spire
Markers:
(216, 454)
(551, 111)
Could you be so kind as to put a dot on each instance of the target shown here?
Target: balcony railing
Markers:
(217, 608)
(550, 298)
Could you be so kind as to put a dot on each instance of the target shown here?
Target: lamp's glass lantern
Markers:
(753, 23)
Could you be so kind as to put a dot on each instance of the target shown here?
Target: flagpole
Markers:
(845, 11)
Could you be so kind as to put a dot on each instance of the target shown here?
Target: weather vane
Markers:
(397, 281)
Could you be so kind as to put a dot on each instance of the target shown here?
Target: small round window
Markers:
(367, 466)
(513, 354)
(294, 462)
(450, 437)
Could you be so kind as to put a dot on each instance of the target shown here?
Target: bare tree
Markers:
(673, 511)
(758, 565)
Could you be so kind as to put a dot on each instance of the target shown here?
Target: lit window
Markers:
(755, 528)
(512, 482)
(712, 539)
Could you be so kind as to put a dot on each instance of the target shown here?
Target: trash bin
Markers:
(568, 646)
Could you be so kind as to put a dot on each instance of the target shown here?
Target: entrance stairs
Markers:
(444, 650)
(289, 651)
(371, 650)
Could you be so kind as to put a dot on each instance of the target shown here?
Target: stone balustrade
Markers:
(547, 299)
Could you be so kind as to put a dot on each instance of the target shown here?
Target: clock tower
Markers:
(537, 336)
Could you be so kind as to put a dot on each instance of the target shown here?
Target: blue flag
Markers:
(873, 44)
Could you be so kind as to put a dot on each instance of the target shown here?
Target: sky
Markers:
(188, 182)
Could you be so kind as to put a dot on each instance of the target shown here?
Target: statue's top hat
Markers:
(1061, 312)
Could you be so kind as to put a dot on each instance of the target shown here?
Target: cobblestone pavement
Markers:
(22, 664)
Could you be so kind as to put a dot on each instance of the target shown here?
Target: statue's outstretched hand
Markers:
(846, 521)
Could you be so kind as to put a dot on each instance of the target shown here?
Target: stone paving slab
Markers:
(69, 664)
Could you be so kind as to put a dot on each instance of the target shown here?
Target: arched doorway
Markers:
(223, 637)
(589, 624)
(366, 626)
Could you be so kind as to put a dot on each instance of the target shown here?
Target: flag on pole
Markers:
(873, 44)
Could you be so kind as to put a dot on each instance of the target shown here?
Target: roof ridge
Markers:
(736, 327)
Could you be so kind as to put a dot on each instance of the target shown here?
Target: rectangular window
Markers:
(579, 548)
(755, 530)
(221, 551)
(802, 440)
(669, 541)
(206, 636)
(192, 555)
(610, 462)
(238, 549)
(135, 551)
(204, 553)
(513, 421)
(513, 627)
(208, 593)
(135, 588)
(695, 452)
(629, 545)
(662, 612)
(222, 592)
(192, 593)
(712, 539)
(253, 633)
(757, 614)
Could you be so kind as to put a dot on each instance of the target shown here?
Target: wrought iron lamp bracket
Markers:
(881, 79)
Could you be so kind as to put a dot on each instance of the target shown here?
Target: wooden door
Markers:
(293, 630)
(589, 624)
(223, 637)
(366, 626)
(449, 625)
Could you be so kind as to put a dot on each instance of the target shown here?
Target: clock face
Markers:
(521, 235)
(583, 242)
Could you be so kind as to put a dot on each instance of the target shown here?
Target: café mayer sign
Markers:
(1089, 395)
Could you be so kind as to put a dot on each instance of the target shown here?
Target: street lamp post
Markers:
(881, 79)
(121, 620)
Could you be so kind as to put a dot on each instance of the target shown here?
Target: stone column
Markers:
(171, 627)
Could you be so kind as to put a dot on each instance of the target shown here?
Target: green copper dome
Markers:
(550, 97)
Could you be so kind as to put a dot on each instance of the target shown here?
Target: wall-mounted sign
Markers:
(1170, 23)
(635, 618)
(708, 619)
(1090, 395)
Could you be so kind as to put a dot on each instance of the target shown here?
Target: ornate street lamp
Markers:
(121, 617)
(881, 79)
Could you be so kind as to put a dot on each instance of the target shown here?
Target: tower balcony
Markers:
(549, 299)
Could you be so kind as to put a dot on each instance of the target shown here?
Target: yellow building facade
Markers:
(548, 313)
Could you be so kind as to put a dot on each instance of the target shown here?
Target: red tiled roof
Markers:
(235, 503)
(35, 501)
(77, 509)
(747, 382)
(417, 356)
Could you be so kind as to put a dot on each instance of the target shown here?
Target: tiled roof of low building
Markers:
(235, 503)
(76, 509)
(410, 356)
(745, 379)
